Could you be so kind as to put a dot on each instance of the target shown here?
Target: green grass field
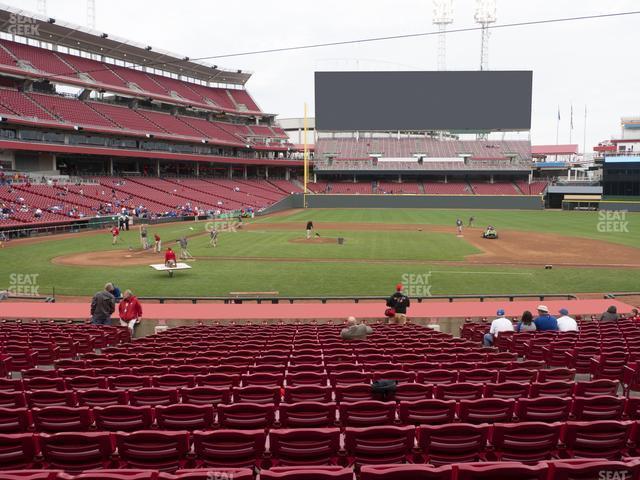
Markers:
(266, 260)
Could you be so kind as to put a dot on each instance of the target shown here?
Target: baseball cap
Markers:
(542, 308)
(563, 311)
(500, 312)
(399, 287)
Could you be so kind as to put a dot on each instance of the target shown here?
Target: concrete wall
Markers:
(518, 202)
(287, 203)
(629, 206)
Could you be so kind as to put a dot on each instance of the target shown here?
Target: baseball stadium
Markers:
(396, 283)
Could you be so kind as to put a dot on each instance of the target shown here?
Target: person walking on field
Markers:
(459, 226)
(399, 303)
(130, 311)
(115, 232)
(309, 229)
(103, 305)
(213, 237)
(143, 237)
(157, 248)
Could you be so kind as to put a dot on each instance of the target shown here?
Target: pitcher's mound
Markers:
(314, 240)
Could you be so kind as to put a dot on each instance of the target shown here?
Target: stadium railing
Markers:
(354, 298)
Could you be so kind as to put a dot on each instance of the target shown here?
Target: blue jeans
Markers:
(487, 340)
(101, 321)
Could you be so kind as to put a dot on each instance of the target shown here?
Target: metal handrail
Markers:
(354, 298)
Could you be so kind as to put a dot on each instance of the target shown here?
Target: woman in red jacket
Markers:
(130, 311)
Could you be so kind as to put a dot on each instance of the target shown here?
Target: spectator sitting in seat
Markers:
(635, 315)
(544, 321)
(565, 322)
(500, 324)
(611, 315)
(355, 330)
(526, 323)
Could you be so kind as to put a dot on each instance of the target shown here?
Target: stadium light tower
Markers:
(41, 7)
(442, 16)
(91, 14)
(485, 15)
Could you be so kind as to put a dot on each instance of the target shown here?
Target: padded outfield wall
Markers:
(498, 202)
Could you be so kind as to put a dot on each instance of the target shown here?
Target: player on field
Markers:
(143, 237)
(170, 258)
(213, 237)
(459, 226)
(115, 234)
(309, 229)
(157, 246)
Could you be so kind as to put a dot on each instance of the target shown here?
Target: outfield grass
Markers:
(218, 276)
(575, 224)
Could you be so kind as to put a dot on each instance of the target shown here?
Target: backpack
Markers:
(383, 389)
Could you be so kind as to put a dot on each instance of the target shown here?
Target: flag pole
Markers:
(584, 134)
(558, 126)
(305, 157)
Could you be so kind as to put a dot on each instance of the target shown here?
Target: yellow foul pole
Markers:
(305, 157)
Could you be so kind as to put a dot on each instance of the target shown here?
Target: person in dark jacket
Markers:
(399, 302)
(611, 315)
(103, 305)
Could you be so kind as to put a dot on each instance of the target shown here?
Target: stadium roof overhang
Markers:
(72, 36)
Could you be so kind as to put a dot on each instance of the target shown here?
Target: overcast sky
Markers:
(588, 62)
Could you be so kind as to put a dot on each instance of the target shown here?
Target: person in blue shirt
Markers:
(544, 321)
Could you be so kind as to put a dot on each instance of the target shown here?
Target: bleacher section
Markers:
(156, 196)
(109, 118)
(257, 398)
(40, 62)
(348, 148)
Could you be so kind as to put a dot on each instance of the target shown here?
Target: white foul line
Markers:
(481, 273)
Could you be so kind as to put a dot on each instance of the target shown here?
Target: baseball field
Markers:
(590, 252)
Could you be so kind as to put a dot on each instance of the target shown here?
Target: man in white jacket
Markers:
(500, 324)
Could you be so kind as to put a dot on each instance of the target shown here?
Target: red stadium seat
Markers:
(307, 393)
(437, 376)
(406, 472)
(506, 390)
(205, 395)
(75, 452)
(50, 398)
(153, 449)
(246, 416)
(451, 443)
(185, 417)
(585, 469)
(307, 415)
(409, 392)
(12, 399)
(502, 471)
(428, 412)
(348, 378)
(356, 392)
(257, 394)
(598, 439)
(98, 397)
(486, 410)
(18, 451)
(367, 413)
(14, 420)
(525, 441)
(597, 388)
(305, 446)
(153, 396)
(459, 391)
(307, 473)
(598, 408)
(127, 382)
(379, 445)
(123, 418)
(478, 375)
(551, 389)
(62, 419)
(556, 374)
(229, 448)
(543, 409)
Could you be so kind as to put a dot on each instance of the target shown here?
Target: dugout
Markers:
(573, 197)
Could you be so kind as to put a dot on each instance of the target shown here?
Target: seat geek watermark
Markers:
(416, 284)
(24, 284)
(613, 221)
(613, 475)
(23, 26)
(214, 475)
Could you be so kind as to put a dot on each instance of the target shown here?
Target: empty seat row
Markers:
(243, 416)
(566, 469)
(432, 444)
